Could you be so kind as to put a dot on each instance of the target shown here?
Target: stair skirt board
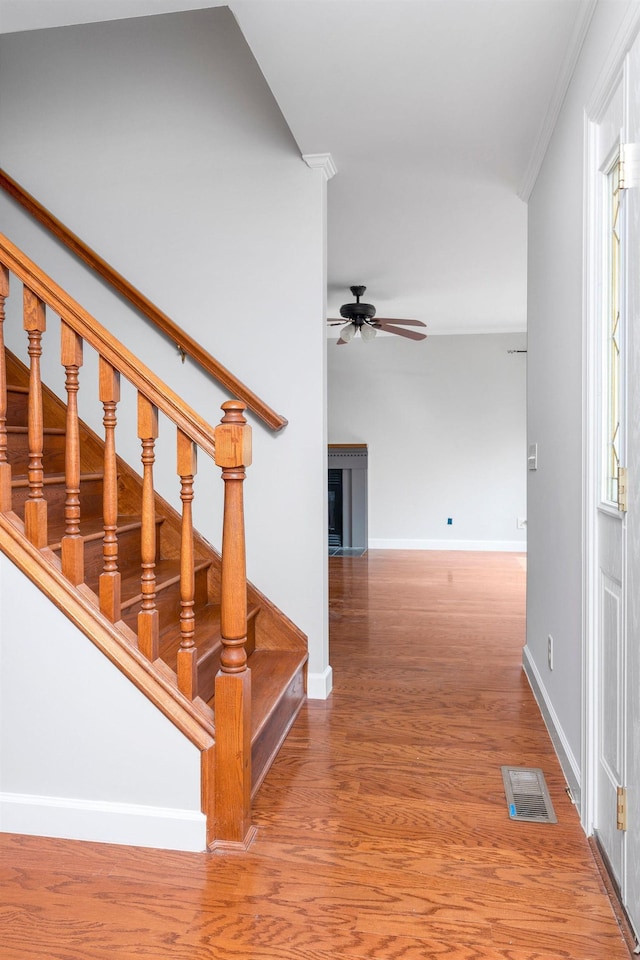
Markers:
(103, 822)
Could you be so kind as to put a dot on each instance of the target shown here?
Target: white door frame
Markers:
(590, 479)
(593, 279)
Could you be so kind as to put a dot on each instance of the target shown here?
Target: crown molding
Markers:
(321, 161)
(613, 66)
(563, 80)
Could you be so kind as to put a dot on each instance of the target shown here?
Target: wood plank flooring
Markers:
(382, 827)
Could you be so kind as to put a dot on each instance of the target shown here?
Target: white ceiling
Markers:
(436, 114)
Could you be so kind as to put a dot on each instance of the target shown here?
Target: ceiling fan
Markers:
(360, 317)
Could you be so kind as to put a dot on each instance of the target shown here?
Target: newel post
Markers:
(232, 701)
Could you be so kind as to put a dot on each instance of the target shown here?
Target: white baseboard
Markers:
(129, 824)
(502, 546)
(568, 762)
(319, 685)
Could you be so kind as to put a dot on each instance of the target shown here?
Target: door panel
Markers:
(611, 699)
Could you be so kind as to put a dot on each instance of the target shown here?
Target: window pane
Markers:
(612, 388)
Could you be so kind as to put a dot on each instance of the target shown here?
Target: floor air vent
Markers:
(527, 795)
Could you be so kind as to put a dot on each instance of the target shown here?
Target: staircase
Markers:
(178, 617)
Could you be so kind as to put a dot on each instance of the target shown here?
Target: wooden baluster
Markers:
(233, 682)
(148, 634)
(109, 588)
(35, 508)
(187, 654)
(5, 467)
(72, 552)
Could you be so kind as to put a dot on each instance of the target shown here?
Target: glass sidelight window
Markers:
(612, 386)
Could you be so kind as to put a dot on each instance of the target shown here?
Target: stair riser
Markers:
(18, 453)
(55, 495)
(209, 664)
(168, 603)
(17, 408)
(129, 556)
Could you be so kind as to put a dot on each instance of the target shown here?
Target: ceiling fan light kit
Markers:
(367, 332)
(361, 317)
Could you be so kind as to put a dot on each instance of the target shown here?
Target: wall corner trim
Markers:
(321, 161)
(319, 685)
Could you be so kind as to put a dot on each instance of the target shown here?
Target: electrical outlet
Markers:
(550, 651)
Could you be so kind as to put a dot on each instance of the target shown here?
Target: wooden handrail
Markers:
(164, 323)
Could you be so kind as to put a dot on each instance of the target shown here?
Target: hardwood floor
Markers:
(382, 827)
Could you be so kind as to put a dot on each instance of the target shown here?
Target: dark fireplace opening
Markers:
(348, 499)
(335, 508)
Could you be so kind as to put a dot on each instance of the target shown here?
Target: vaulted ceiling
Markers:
(436, 114)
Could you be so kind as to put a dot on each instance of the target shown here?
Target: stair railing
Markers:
(227, 792)
(185, 343)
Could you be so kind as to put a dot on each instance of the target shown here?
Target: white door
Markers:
(609, 456)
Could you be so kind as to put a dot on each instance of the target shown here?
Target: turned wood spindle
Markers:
(148, 631)
(109, 587)
(72, 552)
(5, 468)
(35, 508)
(187, 654)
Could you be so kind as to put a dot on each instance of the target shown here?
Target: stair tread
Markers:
(48, 431)
(22, 480)
(271, 673)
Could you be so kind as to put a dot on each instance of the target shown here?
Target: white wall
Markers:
(83, 754)
(158, 142)
(444, 420)
(555, 406)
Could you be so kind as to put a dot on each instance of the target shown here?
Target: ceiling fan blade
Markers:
(409, 323)
(340, 342)
(409, 334)
(337, 323)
